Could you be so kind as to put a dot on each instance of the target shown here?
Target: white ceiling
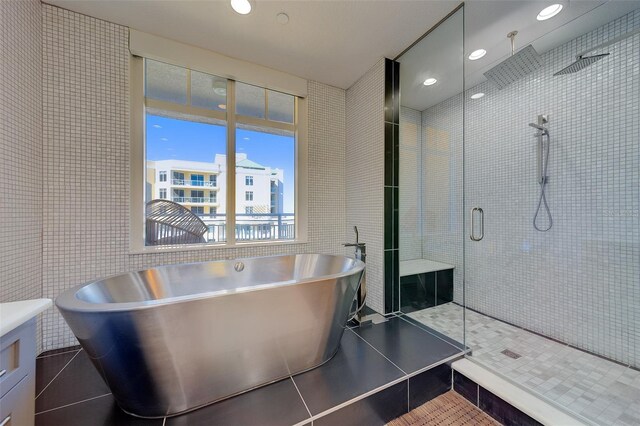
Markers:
(486, 24)
(337, 41)
(334, 42)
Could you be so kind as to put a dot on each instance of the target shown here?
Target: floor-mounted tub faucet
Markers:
(361, 297)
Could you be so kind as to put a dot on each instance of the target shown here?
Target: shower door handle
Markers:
(473, 232)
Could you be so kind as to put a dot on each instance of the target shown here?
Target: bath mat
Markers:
(449, 409)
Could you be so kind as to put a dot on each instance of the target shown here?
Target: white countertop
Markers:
(14, 314)
(421, 266)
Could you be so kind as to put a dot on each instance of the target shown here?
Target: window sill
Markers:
(200, 247)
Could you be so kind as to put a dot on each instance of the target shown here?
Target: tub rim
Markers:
(68, 300)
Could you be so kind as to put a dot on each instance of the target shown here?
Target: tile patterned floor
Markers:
(396, 356)
(600, 391)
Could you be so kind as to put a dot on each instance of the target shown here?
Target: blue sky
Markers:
(168, 138)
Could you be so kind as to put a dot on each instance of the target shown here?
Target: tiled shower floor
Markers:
(379, 373)
(601, 391)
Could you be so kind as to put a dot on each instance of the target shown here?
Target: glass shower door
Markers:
(552, 214)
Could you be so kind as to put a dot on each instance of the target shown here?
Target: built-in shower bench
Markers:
(425, 283)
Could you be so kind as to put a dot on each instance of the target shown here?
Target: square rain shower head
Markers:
(515, 67)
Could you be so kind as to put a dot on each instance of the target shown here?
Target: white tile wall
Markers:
(442, 182)
(86, 146)
(21, 177)
(365, 175)
(410, 209)
(579, 282)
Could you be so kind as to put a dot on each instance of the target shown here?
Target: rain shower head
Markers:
(581, 63)
(516, 66)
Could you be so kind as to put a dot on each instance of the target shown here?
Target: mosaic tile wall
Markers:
(365, 175)
(410, 184)
(86, 144)
(578, 282)
(21, 178)
(442, 201)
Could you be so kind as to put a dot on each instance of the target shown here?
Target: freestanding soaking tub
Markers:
(174, 338)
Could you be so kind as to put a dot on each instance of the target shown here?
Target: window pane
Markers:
(265, 184)
(165, 82)
(280, 107)
(249, 100)
(208, 91)
(192, 156)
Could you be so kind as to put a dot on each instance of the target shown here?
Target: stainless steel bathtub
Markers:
(174, 338)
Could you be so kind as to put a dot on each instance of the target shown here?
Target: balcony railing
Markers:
(188, 182)
(208, 200)
(252, 227)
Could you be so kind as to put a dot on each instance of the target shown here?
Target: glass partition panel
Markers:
(430, 209)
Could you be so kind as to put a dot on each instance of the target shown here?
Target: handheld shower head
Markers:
(542, 130)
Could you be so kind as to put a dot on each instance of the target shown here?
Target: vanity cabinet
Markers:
(17, 375)
(18, 360)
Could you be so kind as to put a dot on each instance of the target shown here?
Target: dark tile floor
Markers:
(370, 378)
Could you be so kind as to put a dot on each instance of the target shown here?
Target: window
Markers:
(163, 192)
(178, 196)
(162, 176)
(197, 180)
(178, 177)
(187, 113)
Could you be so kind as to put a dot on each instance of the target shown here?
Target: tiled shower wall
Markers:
(86, 172)
(442, 153)
(578, 282)
(21, 179)
(365, 174)
(410, 225)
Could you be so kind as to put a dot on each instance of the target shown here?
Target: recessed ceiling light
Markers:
(477, 54)
(549, 12)
(430, 81)
(282, 18)
(243, 7)
(477, 95)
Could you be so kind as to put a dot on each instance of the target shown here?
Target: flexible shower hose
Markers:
(543, 197)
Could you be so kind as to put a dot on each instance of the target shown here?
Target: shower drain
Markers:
(511, 354)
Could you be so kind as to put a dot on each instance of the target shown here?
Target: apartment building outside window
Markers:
(248, 196)
(163, 191)
(162, 176)
(248, 180)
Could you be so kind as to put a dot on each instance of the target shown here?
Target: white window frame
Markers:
(138, 172)
(248, 181)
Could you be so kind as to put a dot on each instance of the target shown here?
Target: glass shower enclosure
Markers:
(522, 173)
